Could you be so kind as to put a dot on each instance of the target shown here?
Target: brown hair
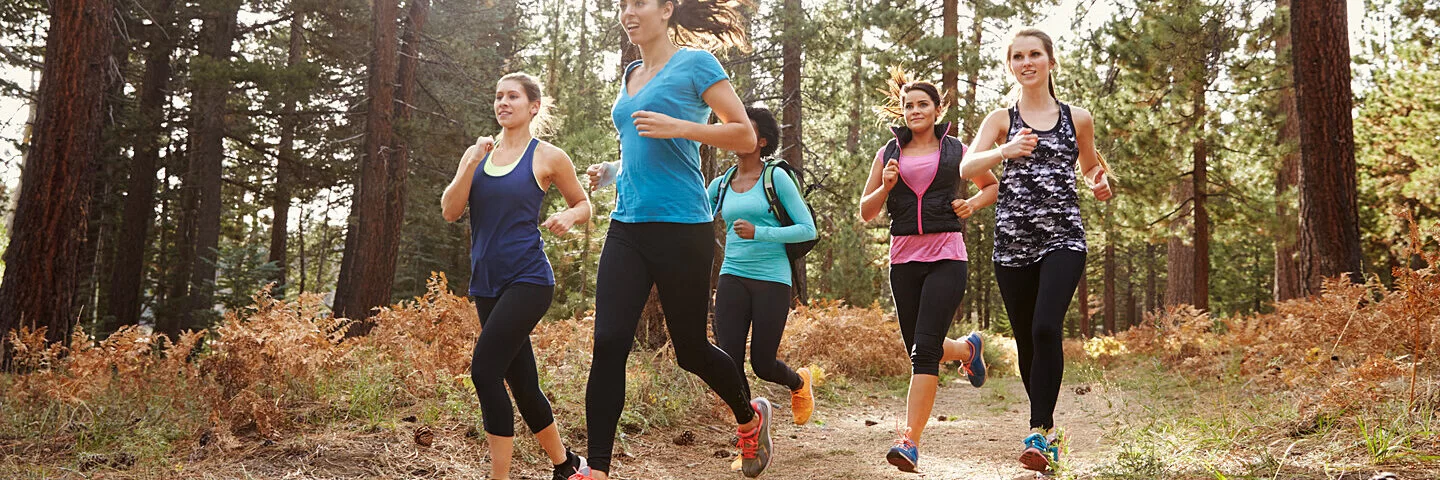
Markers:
(710, 24)
(900, 84)
(543, 123)
(1049, 45)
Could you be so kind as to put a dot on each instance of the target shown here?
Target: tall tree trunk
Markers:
(1131, 315)
(1201, 297)
(1287, 271)
(50, 215)
(1109, 268)
(1329, 242)
(1152, 296)
(949, 63)
(96, 248)
(367, 269)
(1180, 254)
(207, 155)
(128, 278)
(284, 168)
(972, 68)
(791, 139)
(857, 80)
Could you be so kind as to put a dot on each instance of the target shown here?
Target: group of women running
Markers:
(660, 235)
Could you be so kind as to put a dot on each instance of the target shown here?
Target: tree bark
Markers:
(1109, 267)
(949, 63)
(1287, 271)
(128, 278)
(50, 216)
(791, 140)
(857, 79)
(1180, 254)
(1329, 240)
(207, 155)
(368, 267)
(284, 176)
(1201, 297)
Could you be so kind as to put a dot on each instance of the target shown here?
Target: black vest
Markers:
(912, 215)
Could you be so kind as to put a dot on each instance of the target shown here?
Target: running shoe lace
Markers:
(749, 442)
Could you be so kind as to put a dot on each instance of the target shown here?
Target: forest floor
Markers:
(1135, 422)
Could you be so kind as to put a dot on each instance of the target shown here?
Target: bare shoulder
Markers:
(1081, 116)
(551, 155)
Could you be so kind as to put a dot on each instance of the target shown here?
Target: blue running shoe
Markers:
(905, 455)
(1041, 452)
(975, 368)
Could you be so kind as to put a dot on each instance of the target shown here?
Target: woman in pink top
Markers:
(916, 178)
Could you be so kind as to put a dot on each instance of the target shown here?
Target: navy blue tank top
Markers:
(505, 244)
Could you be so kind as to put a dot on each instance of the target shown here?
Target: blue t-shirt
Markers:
(762, 258)
(660, 179)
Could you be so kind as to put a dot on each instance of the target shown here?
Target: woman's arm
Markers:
(989, 189)
(877, 187)
(804, 227)
(562, 175)
(457, 194)
(733, 133)
(983, 155)
(1090, 166)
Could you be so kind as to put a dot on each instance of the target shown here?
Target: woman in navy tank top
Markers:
(503, 182)
(1039, 240)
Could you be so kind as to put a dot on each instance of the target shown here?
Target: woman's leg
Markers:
(770, 306)
(1018, 287)
(941, 294)
(502, 353)
(1060, 273)
(622, 286)
(733, 315)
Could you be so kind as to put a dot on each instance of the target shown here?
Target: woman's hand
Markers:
(1021, 145)
(962, 208)
(744, 229)
(658, 125)
(477, 152)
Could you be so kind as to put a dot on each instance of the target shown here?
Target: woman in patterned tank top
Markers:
(1039, 239)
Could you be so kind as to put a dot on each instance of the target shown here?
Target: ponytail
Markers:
(710, 24)
(900, 84)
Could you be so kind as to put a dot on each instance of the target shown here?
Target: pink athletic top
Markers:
(918, 172)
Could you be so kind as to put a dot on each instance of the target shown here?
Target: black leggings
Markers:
(503, 355)
(675, 258)
(1036, 298)
(926, 297)
(742, 302)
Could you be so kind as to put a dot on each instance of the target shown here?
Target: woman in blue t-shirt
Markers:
(660, 230)
(503, 182)
(754, 288)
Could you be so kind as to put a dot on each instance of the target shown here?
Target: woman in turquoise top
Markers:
(754, 288)
(660, 231)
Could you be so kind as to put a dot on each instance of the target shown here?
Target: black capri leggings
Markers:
(1036, 298)
(675, 258)
(741, 303)
(503, 355)
(926, 297)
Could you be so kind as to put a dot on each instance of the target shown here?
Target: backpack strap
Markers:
(719, 198)
(767, 176)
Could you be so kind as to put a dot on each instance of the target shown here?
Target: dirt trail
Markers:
(980, 438)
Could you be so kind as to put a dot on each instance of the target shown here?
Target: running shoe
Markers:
(574, 464)
(756, 445)
(904, 455)
(1042, 451)
(975, 368)
(802, 401)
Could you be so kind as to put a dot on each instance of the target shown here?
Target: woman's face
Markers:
(920, 111)
(1028, 61)
(513, 109)
(644, 20)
